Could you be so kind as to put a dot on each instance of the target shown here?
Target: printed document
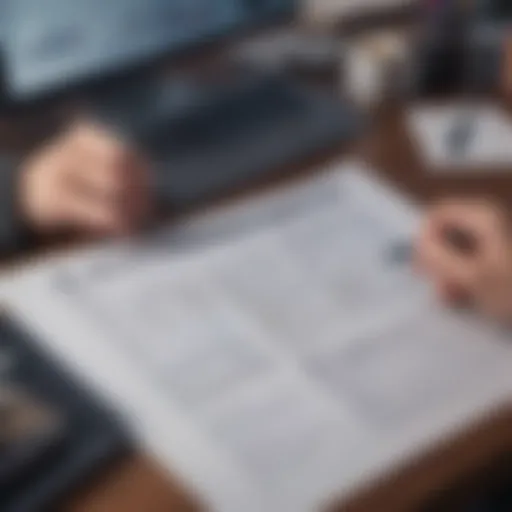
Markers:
(462, 138)
(275, 355)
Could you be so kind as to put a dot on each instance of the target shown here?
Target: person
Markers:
(465, 248)
(84, 180)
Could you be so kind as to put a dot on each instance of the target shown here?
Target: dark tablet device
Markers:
(54, 433)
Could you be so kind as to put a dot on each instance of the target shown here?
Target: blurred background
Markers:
(229, 96)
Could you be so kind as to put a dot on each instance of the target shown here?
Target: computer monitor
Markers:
(51, 45)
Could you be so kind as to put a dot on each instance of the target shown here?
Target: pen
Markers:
(461, 133)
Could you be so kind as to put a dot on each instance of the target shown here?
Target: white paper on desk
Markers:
(490, 144)
(274, 355)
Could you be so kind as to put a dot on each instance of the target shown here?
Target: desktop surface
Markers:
(138, 484)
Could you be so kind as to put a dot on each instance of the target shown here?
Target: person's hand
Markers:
(465, 247)
(86, 180)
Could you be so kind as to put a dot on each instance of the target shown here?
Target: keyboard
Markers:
(238, 112)
(206, 140)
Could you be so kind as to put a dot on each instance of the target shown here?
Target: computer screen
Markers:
(54, 44)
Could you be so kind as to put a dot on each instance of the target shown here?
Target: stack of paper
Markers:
(275, 356)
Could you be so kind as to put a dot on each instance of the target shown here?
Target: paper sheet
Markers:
(276, 355)
(462, 138)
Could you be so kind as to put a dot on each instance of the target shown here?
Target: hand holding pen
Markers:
(465, 248)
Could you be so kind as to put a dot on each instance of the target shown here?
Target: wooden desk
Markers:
(136, 484)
